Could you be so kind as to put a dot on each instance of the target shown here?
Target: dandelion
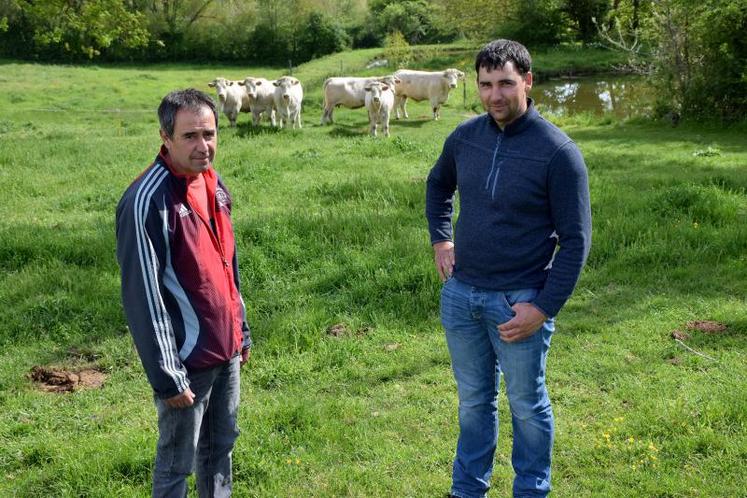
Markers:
(298, 461)
(606, 435)
(652, 447)
(631, 440)
(288, 461)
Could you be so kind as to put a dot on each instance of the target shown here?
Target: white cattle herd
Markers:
(280, 100)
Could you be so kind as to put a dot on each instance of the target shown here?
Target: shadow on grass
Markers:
(410, 122)
(249, 130)
(346, 131)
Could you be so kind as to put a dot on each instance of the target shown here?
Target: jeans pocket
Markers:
(520, 296)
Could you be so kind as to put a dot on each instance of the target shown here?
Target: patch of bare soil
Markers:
(678, 334)
(59, 380)
(342, 330)
(707, 326)
(337, 330)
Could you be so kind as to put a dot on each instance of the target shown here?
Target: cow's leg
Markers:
(256, 117)
(298, 119)
(272, 116)
(372, 124)
(385, 122)
(404, 107)
(397, 104)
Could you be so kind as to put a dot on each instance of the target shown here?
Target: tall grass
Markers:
(330, 229)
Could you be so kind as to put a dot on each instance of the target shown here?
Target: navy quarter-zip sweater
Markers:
(523, 194)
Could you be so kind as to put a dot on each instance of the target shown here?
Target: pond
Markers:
(620, 95)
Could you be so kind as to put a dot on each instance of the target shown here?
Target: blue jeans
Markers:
(203, 433)
(470, 316)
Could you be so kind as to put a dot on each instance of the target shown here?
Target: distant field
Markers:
(349, 391)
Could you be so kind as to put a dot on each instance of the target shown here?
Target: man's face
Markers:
(503, 92)
(192, 146)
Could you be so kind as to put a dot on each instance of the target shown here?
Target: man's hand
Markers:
(527, 321)
(184, 399)
(443, 255)
(245, 354)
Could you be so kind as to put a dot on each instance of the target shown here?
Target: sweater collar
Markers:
(519, 124)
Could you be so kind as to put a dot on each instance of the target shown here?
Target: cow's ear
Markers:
(276, 83)
(211, 84)
(368, 88)
(259, 82)
(385, 87)
(241, 83)
(296, 82)
(397, 81)
(230, 83)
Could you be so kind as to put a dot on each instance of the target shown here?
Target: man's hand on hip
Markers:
(527, 321)
(184, 399)
(443, 254)
(245, 354)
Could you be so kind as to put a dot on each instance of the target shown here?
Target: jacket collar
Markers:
(519, 124)
(165, 158)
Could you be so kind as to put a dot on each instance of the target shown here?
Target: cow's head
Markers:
(376, 88)
(251, 85)
(452, 75)
(221, 87)
(391, 80)
(285, 84)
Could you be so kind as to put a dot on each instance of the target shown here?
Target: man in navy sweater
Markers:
(522, 236)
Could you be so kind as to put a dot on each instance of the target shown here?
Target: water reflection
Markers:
(622, 96)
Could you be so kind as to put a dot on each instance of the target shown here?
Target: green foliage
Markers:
(582, 14)
(397, 51)
(533, 22)
(700, 57)
(71, 30)
(416, 20)
(319, 36)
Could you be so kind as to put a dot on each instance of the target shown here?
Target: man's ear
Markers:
(165, 138)
(528, 79)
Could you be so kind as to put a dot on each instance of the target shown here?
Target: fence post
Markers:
(290, 67)
(464, 93)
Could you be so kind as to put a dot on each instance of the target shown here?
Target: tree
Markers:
(73, 29)
(321, 36)
(413, 18)
(700, 57)
(582, 14)
(532, 22)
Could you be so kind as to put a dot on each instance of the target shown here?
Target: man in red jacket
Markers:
(180, 292)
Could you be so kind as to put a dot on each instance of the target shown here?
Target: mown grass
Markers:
(331, 231)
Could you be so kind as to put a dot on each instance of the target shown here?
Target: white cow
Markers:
(232, 98)
(425, 85)
(349, 92)
(379, 103)
(288, 99)
(261, 95)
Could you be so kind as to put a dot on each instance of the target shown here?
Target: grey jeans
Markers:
(201, 435)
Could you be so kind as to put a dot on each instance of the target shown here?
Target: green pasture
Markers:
(331, 232)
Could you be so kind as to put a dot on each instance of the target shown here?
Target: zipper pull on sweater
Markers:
(493, 169)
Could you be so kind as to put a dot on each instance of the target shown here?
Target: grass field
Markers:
(331, 231)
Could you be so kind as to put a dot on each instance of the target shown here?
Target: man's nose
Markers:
(202, 143)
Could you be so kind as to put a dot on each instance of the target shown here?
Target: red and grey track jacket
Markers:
(180, 279)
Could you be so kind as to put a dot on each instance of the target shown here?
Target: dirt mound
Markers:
(707, 326)
(59, 380)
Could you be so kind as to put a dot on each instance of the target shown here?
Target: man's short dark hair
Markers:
(191, 99)
(496, 53)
